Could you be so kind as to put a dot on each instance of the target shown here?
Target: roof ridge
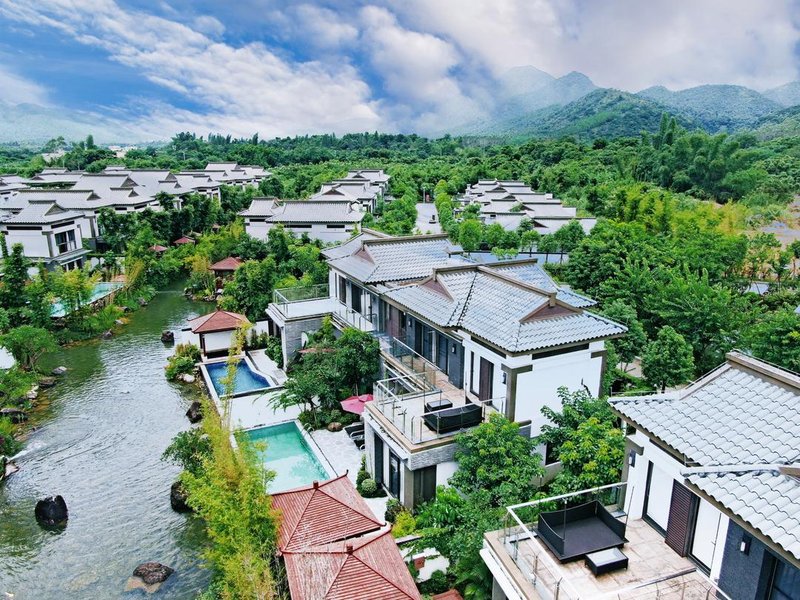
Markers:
(300, 519)
(370, 517)
(381, 575)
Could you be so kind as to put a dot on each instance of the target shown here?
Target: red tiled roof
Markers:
(227, 264)
(330, 512)
(183, 240)
(448, 595)
(363, 569)
(219, 320)
(157, 248)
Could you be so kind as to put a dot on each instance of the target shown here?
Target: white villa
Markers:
(510, 202)
(458, 342)
(709, 506)
(324, 220)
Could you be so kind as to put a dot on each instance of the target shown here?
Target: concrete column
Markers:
(511, 388)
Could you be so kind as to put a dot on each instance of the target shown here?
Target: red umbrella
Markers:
(355, 404)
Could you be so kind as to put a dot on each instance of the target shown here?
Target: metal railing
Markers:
(409, 360)
(284, 296)
(351, 318)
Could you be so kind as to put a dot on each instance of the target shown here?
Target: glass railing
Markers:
(299, 294)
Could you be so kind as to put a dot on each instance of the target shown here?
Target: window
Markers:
(550, 454)
(65, 241)
(329, 226)
(785, 583)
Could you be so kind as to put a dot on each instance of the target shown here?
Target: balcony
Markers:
(654, 571)
(314, 301)
(419, 412)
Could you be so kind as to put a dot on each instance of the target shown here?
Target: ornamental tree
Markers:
(27, 344)
(667, 360)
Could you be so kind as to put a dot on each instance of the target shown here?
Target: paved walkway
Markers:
(343, 455)
(267, 366)
(424, 212)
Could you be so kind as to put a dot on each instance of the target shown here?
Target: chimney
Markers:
(316, 485)
(348, 548)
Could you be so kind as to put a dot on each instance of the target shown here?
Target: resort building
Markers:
(9, 185)
(458, 341)
(709, 506)
(508, 203)
(324, 220)
(49, 234)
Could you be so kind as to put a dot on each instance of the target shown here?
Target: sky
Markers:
(287, 68)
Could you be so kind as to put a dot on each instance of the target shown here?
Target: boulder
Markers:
(58, 371)
(177, 498)
(17, 415)
(47, 382)
(168, 337)
(187, 378)
(195, 413)
(33, 394)
(107, 335)
(119, 322)
(149, 576)
(142, 302)
(335, 426)
(52, 511)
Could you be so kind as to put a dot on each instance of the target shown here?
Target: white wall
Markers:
(445, 471)
(218, 340)
(34, 243)
(471, 348)
(317, 231)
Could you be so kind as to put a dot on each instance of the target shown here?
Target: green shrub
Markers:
(404, 524)
(320, 418)
(437, 584)
(363, 474)
(393, 508)
(14, 384)
(368, 488)
(183, 361)
(8, 445)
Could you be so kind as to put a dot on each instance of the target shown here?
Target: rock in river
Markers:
(52, 511)
(47, 382)
(107, 335)
(195, 413)
(168, 337)
(177, 498)
(16, 415)
(59, 371)
(149, 576)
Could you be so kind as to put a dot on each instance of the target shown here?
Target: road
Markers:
(424, 213)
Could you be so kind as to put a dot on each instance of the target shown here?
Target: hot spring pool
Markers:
(246, 379)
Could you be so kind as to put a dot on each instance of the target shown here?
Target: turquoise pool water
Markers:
(287, 454)
(245, 381)
(101, 290)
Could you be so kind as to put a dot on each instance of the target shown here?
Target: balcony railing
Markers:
(351, 318)
(406, 358)
(284, 296)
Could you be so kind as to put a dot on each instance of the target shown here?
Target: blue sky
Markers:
(284, 68)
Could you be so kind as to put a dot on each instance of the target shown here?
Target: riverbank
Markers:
(98, 443)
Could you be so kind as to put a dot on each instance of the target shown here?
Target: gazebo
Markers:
(226, 267)
(216, 330)
(183, 240)
(157, 248)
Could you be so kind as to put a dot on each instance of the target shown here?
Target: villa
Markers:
(214, 332)
(709, 506)
(458, 341)
(508, 203)
(325, 220)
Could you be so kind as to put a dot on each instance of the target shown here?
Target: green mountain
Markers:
(785, 123)
(602, 113)
(785, 95)
(715, 107)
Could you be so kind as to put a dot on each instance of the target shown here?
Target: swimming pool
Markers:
(288, 454)
(246, 379)
(100, 291)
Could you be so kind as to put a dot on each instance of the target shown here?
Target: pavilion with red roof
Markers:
(216, 330)
(226, 267)
(157, 248)
(321, 513)
(328, 540)
(368, 568)
(183, 240)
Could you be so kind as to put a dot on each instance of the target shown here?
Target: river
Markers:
(99, 444)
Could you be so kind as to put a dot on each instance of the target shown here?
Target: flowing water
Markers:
(99, 444)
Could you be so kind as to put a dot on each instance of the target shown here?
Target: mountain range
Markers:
(525, 102)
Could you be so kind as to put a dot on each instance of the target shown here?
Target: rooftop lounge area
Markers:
(581, 546)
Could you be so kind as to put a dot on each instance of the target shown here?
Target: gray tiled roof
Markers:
(41, 213)
(304, 211)
(534, 274)
(352, 245)
(767, 500)
(733, 415)
(485, 304)
(398, 259)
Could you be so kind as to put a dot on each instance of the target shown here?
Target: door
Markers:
(378, 467)
(682, 508)
(424, 484)
(342, 290)
(442, 351)
(657, 496)
(394, 475)
(356, 299)
(706, 528)
(486, 379)
(418, 337)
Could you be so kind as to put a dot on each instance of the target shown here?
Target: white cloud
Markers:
(209, 25)
(15, 89)
(247, 88)
(322, 27)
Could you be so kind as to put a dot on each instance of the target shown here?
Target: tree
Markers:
(576, 408)
(27, 344)
(667, 360)
(357, 359)
(495, 457)
(12, 288)
(469, 235)
(776, 338)
(632, 343)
